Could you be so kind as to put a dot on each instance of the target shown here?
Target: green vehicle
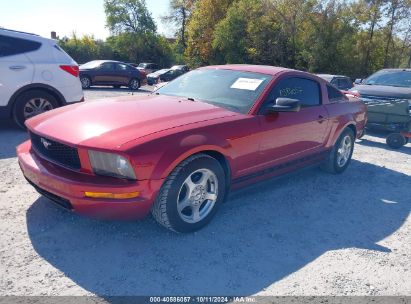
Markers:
(393, 116)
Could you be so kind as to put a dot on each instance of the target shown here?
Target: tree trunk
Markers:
(394, 7)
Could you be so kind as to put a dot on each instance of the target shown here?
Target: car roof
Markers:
(25, 35)
(262, 69)
(394, 70)
(331, 75)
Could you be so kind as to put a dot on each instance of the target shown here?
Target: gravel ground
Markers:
(306, 234)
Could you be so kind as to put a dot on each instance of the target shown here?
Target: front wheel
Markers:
(340, 155)
(191, 195)
(85, 82)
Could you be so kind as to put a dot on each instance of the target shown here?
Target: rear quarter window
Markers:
(334, 95)
(10, 46)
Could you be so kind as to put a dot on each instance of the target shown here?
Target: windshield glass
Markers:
(142, 65)
(234, 90)
(91, 64)
(390, 78)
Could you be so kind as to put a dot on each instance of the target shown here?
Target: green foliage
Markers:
(335, 36)
(352, 37)
(129, 16)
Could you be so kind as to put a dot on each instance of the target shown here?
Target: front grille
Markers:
(56, 152)
(62, 202)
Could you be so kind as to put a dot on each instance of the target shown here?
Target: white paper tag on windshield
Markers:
(247, 84)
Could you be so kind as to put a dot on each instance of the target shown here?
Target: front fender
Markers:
(156, 159)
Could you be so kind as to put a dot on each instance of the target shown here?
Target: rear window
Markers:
(10, 46)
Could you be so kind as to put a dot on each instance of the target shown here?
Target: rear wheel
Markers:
(191, 195)
(396, 140)
(134, 84)
(85, 82)
(340, 155)
(32, 103)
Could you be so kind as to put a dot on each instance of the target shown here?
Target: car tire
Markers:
(134, 84)
(85, 82)
(396, 140)
(340, 155)
(182, 204)
(32, 103)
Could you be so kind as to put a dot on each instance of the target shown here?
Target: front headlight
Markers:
(111, 164)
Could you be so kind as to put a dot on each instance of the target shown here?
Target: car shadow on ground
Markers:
(261, 235)
(13, 136)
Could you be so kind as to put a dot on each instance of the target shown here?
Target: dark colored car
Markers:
(179, 151)
(148, 67)
(110, 73)
(341, 82)
(385, 85)
(166, 75)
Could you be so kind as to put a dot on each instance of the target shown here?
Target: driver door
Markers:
(291, 135)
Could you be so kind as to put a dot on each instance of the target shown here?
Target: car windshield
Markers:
(234, 90)
(142, 65)
(390, 78)
(91, 64)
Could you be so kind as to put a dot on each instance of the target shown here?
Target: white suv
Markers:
(36, 75)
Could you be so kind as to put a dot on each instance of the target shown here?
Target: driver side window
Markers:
(306, 91)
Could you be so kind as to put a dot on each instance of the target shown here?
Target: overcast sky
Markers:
(65, 16)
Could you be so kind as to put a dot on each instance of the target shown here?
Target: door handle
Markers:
(17, 67)
(321, 119)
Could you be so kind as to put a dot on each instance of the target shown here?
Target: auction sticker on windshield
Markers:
(247, 84)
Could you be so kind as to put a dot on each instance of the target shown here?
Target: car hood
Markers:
(110, 123)
(383, 91)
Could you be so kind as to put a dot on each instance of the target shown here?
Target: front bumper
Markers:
(67, 188)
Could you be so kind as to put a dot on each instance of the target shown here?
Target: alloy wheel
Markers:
(36, 106)
(197, 196)
(344, 151)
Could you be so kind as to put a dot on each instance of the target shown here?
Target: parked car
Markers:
(341, 82)
(181, 67)
(148, 67)
(166, 75)
(385, 85)
(180, 150)
(36, 75)
(110, 73)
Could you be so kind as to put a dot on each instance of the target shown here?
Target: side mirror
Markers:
(358, 81)
(284, 105)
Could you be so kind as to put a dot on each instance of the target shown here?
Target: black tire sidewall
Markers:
(175, 220)
(18, 109)
(394, 145)
(337, 168)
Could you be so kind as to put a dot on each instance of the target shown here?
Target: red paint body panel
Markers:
(156, 133)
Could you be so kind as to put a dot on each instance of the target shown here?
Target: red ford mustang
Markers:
(178, 151)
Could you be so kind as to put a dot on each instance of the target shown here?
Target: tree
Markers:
(200, 30)
(130, 16)
(178, 16)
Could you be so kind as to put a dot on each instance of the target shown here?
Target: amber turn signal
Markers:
(112, 195)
